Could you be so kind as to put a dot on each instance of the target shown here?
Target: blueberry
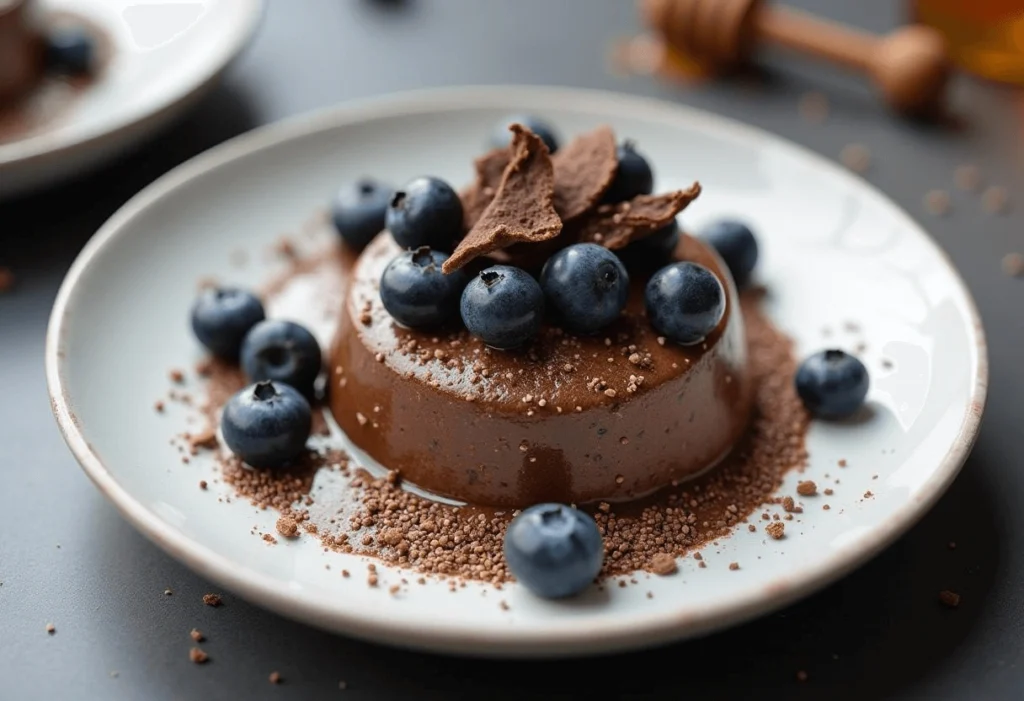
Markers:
(415, 291)
(282, 351)
(426, 212)
(554, 550)
(503, 306)
(832, 384)
(659, 245)
(685, 302)
(737, 246)
(266, 424)
(359, 211)
(502, 136)
(588, 286)
(633, 176)
(70, 50)
(221, 317)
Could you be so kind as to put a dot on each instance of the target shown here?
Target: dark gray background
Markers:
(66, 556)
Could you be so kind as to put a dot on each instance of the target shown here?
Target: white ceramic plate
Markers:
(164, 54)
(834, 251)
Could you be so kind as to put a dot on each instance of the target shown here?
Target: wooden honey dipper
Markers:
(910, 66)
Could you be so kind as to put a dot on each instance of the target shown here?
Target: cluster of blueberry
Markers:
(585, 285)
(268, 423)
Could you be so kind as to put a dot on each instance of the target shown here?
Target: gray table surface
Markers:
(66, 557)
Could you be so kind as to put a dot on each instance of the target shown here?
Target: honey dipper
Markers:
(909, 66)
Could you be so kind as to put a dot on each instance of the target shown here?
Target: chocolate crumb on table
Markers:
(776, 529)
(814, 107)
(967, 177)
(212, 600)
(1013, 264)
(856, 157)
(203, 484)
(197, 635)
(995, 200)
(198, 656)
(790, 506)
(937, 202)
(734, 566)
(275, 678)
(949, 598)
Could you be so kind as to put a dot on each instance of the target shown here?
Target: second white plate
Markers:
(163, 54)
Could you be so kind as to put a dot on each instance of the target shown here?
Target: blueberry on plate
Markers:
(633, 176)
(284, 352)
(266, 424)
(502, 136)
(222, 316)
(503, 306)
(426, 212)
(587, 285)
(415, 291)
(832, 384)
(685, 302)
(70, 50)
(737, 246)
(554, 550)
(359, 211)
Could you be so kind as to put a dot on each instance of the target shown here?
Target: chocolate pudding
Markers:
(566, 419)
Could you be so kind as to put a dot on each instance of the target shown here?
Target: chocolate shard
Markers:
(475, 198)
(584, 170)
(522, 210)
(616, 226)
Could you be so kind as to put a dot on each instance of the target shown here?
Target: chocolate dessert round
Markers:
(566, 419)
(21, 48)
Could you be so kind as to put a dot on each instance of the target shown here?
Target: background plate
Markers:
(164, 54)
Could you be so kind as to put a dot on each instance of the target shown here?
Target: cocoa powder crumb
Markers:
(287, 527)
(868, 494)
(270, 539)
(937, 202)
(967, 177)
(275, 678)
(1013, 264)
(394, 589)
(790, 506)
(949, 598)
(842, 463)
(372, 580)
(663, 564)
(734, 566)
(177, 376)
(212, 600)
(776, 529)
(828, 491)
(203, 484)
(198, 656)
(197, 635)
(159, 406)
(807, 488)
(995, 200)
(825, 507)
(856, 157)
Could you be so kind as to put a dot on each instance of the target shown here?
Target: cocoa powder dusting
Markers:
(370, 515)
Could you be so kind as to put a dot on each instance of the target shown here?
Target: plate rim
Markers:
(41, 150)
(605, 637)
